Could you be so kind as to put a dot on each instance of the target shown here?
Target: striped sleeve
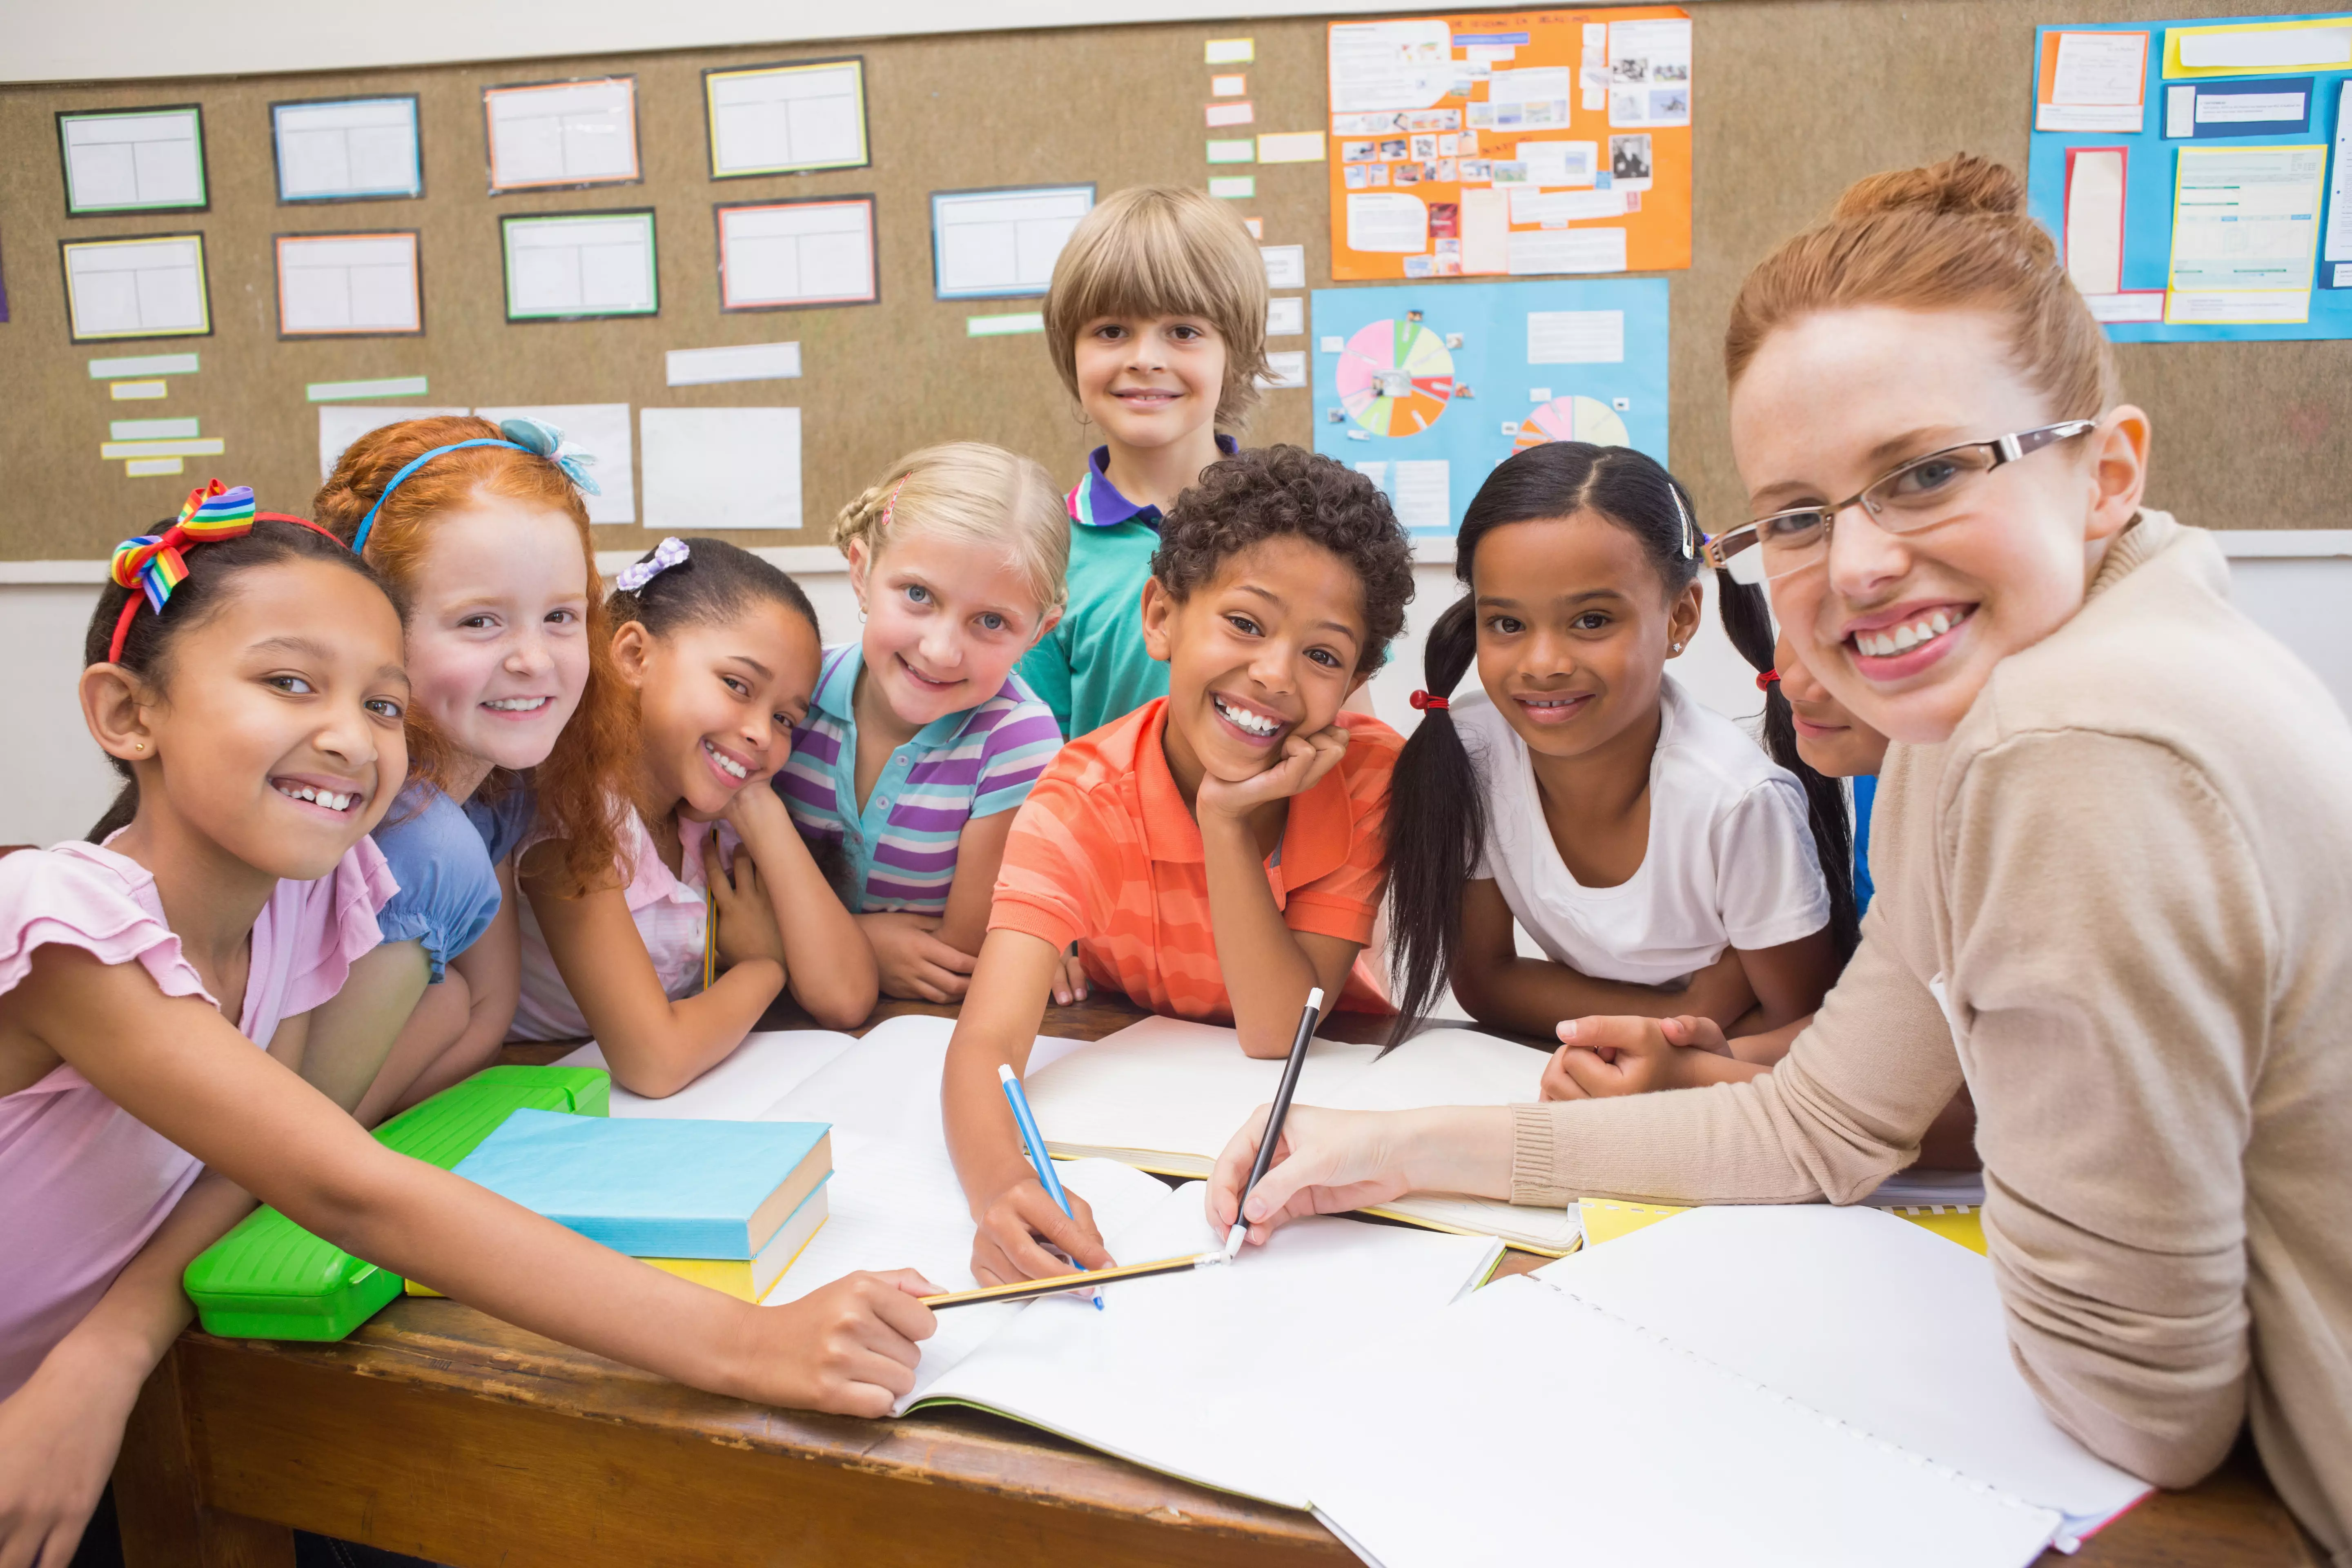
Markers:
(1014, 756)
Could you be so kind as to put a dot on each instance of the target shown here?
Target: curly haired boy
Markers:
(1220, 850)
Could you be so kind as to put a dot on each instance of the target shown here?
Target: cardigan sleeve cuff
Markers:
(1536, 1132)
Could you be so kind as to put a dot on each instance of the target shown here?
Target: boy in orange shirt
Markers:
(1217, 852)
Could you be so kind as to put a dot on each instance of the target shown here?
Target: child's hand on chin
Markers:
(1305, 760)
(746, 917)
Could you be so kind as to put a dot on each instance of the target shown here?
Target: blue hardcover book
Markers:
(655, 1187)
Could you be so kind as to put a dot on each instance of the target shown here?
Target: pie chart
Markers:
(1572, 419)
(1395, 377)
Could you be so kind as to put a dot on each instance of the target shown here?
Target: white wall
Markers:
(55, 781)
(128, 39)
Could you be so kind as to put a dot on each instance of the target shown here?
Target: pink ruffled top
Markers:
(88, 1182)
(671, 915)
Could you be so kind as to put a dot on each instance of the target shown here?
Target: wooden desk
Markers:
(437, 1431)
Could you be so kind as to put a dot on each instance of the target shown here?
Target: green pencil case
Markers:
(268, 1278)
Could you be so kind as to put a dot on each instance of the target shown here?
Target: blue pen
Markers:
(1037, 1141)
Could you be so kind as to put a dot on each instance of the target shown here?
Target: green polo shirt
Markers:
(1091, 669)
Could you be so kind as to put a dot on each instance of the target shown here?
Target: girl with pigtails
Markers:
(1662, 863)
(2111, 842)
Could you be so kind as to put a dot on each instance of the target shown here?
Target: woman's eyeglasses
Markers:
(1921, 494)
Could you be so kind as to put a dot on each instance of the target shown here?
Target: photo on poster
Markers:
(134, 160)
(347, 149)
(561, 134)
(786, 119)
(1630, 164)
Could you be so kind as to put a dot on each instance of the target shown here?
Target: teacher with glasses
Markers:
(2114, 840)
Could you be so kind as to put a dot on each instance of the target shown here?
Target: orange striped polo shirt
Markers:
(1106, 854)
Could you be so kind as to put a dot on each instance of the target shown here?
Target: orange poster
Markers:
(1522, 143)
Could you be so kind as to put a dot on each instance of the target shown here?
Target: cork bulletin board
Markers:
(1792, 99)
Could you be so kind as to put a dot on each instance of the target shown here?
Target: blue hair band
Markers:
(532, 435)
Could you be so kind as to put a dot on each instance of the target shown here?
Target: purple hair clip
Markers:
(635, 575)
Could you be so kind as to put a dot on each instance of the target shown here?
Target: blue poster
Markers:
(2194, 174)
(1427, 386)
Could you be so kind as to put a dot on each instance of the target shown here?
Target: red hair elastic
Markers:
(1764, 682)
(1423, 702)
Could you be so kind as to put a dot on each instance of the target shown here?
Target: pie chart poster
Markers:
(1426, 386)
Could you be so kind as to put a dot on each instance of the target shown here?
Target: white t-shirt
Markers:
(1730, 863)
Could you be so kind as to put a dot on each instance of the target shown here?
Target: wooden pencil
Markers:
(1027, 1289)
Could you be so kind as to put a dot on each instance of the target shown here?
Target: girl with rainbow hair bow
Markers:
(160, 990)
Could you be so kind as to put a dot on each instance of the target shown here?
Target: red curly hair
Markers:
(587, 778)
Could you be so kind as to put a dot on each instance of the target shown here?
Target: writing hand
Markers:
(1004, 1248)
(1327, 1161)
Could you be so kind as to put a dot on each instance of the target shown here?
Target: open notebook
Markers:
(1164, 1095)
(1782, 1385)
(1161, 1095)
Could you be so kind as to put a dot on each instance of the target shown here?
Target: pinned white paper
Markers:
(1575, 337)
(137, 287)
(1285, 371)
(1003, 242)
(1390, 64)
(1559, 163)
(340, 423)
(1568, 250)
(1486, 232)
(348, 285)
(601, 429)
(796, 253)
(1285, 315)
(1285, 266)
(735, 361)
(2324, 48)
(117, 162)
(721, 467)
(595, 264)
(1421, 493)
(1650, 72)
(1556, 207)
(562, 133)
(1387, 221)
(2098, 83)
(783, 118)
(351, 148)
(2094, 220)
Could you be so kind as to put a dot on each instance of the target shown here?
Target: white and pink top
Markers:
(88, 1182)
(671, 914)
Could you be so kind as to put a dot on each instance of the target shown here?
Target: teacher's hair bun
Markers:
(1962, 184)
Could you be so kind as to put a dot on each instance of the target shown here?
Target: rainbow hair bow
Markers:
(156, 562)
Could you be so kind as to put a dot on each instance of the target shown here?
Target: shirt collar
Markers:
(837, 697)
(1095, 503)
(1314, 837)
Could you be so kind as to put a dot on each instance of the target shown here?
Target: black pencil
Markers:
(1306, 1021)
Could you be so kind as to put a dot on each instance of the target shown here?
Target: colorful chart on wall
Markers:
(2196, 174)
(1427, 386)
(1516, 143)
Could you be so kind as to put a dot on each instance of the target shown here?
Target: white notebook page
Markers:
(1179, 1372)
(1521, 1426)
(1862, 1316)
